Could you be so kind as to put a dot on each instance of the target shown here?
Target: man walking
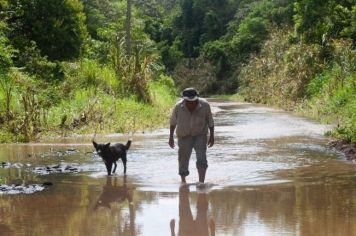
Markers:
(193, 119)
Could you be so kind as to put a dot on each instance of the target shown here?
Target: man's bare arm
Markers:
(171, 134)
(211, 139)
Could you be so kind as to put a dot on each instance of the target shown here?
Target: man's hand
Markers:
(171, 142)
(211, 141)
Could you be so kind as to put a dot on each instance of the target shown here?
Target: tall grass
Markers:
(91, 97)
(90, 110)
(332, 94)
(297, 76)
(95, 101)
(280, 73)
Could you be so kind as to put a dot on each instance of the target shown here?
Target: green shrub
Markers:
(91, 74)
(251, 34)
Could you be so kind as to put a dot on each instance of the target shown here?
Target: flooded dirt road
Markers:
(270, 173)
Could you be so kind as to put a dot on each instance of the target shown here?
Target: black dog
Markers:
(110, 154)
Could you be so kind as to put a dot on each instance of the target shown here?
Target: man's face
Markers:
(191, 105)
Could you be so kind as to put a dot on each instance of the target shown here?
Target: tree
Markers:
(318, 20)
(6, 50)
(186, 23)
(57, 26)
(251, 34)
(6, 53)
(212, 27)
(128, 28)
(101, 15)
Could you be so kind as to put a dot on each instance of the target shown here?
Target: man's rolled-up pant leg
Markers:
(200, 146)
(185, 147)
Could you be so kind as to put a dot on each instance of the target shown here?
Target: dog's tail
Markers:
(128, 144)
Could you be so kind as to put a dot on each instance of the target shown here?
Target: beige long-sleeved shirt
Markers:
(192, 123)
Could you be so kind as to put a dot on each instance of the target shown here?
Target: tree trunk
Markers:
(128, 27)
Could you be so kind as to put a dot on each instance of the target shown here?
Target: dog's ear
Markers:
(95, 144)
(107, 145)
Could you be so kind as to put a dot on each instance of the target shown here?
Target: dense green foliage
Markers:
(71, 56)
(64, 69)
(317, 21)
(221, 34)
(57, 27)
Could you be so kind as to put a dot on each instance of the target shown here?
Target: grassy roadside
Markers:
(89, 99)
(89, 113)
(106, 114)
(229, 97)
(295, 77)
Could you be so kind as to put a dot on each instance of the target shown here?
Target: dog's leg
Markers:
(114, 167)
(124, 160)
(108, 167)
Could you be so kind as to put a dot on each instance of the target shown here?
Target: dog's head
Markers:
(101, 148)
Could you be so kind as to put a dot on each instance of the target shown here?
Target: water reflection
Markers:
(187, 225)
(115, 194)
(286, 209)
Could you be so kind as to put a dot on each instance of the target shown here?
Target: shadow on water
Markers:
(270, 173)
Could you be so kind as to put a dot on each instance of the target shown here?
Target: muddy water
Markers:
(270, 173)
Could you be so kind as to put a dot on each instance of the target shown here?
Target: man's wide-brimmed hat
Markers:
(190, 94)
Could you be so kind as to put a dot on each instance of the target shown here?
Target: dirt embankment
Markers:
(349, 149)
